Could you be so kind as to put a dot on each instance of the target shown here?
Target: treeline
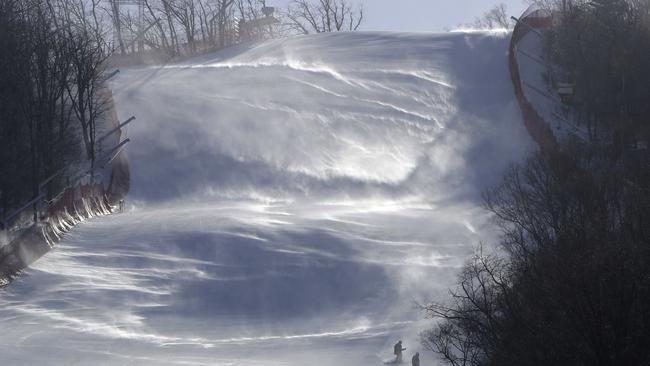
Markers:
(52, 57)
(569, 283)
(603, 47)
(172, 28)
(495, 18)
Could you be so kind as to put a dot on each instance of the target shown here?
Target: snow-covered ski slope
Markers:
(290, 201)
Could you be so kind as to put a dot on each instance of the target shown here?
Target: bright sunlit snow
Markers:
(291, 201)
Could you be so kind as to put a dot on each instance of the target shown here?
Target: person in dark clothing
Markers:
(397, 350)
(415, 361)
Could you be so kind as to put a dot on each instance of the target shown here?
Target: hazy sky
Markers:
(424, 15)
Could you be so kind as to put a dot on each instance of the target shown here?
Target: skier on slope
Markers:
(415, 361)
(397, 350)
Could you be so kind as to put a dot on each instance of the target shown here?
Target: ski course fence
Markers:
(537, 127)
(81, 199)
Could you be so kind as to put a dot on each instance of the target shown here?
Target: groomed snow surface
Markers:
(290, 202)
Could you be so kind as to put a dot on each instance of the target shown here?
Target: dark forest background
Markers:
(569, 283)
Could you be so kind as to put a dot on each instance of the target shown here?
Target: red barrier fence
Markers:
(118, 185)
(76, 202)
(537, 127)
(72, 196)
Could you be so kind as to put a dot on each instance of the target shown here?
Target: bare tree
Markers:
(52, 53)
(466, 336)
(250, 9)
(117, 24)
(155, 18)
(169, 16)
(222, 18)
(321, 16)
(185, 14)
(570, 282)
(495, 18)
(87, 62)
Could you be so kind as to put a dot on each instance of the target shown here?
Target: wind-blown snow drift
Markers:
(290, 200)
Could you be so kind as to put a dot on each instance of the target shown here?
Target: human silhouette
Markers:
(415, 361)
(397, 350)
